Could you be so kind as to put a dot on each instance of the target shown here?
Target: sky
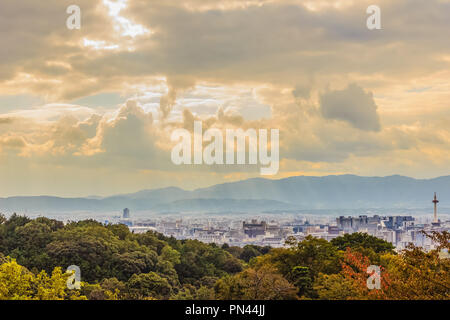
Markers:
(91, 111)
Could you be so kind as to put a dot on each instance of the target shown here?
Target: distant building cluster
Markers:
(220, 231)
(397, 229)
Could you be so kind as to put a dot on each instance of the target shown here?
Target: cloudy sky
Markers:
(91, 111)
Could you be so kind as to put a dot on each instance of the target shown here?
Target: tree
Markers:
(359, 240)
(354, 268)
(99, 252)
(98, 292)
(199, 259)
(417, 274)
(318, 255)
(255, 284)
(126, 264)
(335, 287)
(147, 285)
(114, 288)
(302, 280)
(249, 252)
(204, 293)
(17, 283)
(120, 230)
(232, 265)
(8, 232)
(52, 287)
(411, 274)
(32, 238)
(171, 255)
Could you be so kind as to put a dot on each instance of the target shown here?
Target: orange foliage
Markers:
(354, 267)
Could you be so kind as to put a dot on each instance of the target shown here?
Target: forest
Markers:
(116, 264)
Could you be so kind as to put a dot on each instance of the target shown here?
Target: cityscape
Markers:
(225, 150)
(273, 231)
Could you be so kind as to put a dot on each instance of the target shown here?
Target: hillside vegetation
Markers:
(117, 264)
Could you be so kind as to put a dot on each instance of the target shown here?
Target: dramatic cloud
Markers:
(352, 105)
(91, 111)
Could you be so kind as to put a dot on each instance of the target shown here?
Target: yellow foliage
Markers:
(17, 283)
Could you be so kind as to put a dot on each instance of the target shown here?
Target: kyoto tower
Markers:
(435, 201)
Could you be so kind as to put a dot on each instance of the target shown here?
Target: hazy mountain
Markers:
(52, 204)
(223, 205)
(342, 191)
(302, 192)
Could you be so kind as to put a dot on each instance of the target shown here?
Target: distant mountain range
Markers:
(258, 195)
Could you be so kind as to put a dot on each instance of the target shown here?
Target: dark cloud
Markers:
(352, 105)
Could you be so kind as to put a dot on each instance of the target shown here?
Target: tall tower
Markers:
(435, 201)
(126, 213)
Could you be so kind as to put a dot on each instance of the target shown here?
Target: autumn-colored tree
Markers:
(355, 266)
(118, 264)
(17, 283)
(336, 287)
(412, 274)
(417, 274)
